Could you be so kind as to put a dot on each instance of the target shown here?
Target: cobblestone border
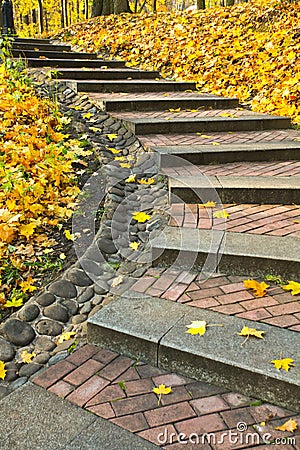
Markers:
(66, 303)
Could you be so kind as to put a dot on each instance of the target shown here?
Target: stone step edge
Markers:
(227, 252)
(234, 189)
(153, 330)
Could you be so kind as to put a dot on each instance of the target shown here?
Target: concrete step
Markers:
(24, 46)
(106, 74)
(165, 103)
(223, 251)
(131, 86)
(31, 40)
(73, 63)
(234, 189)
(142, 126)
(53, 54)
(153, 330)
(171, 156)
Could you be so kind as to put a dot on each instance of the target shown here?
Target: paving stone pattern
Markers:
(120, 390)
(273, 220)
(265, 169)
(224, 294)
(241, 137)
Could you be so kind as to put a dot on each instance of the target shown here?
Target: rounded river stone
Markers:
(63, 288)
(18, 332)
(49, 327)
(7, 352)
(57, 312)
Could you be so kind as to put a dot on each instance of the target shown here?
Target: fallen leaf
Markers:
(69, 235)
(140, 217)
(251, 332)
(215, 143)
(65, 337)
(134, 245)
(116, 281)
(285, 363)
(125, 165)
(174, 110)
(2, 370)
(131, 179)
(27, 230)
(162, 390)
(148, 182)
(259, 289)
(207, 205)
(290, 425)
(223, 214)
(292, 286)
(13, 303)
(114, 150)
(27, 357)
(87, 115)
(197, 327)
(112, 136)
(205, 136)
(62, 256)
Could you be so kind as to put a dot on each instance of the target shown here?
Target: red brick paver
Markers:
(270, 220)
(226, 295)
(193, 415)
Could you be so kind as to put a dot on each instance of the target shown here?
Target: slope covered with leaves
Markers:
(38, 185)
(250, 50)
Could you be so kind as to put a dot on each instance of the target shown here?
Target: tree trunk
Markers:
(86, 8)
(62, 14)
(40, 12)
(229, 2)
(106, 7)
(200, 4)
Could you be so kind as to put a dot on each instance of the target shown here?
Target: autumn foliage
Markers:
(38, 184)
(249, 50)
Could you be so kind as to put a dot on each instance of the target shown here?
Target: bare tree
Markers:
(106, 7)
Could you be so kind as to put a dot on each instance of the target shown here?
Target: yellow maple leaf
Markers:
(226, 115)
(69, 235)
(111, 136)
(259, 289)
(205, 136)
(87, 115)
(197, 327)
(62, 256)
(251, 332)
(148, 182)
(125, 165)
(207, 205)
(94, 129)
(285, 363)
(27, 357)
(13, 303)
(65, 337)
(119, 158)
(290, 425)
(292, 286)
(134, 245)
(140, 216)
(223, 214)
(27, 230)
(193, 110)
(162, 390)
(131, 179)
(27, 286)
(114, 150)
(175, 110)
(2, 370)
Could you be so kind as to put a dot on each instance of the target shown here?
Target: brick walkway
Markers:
(121, 390)
(224, 294)
(149, 95)
(255, 169)
(271, 220)
(241, 137)
(169, 114)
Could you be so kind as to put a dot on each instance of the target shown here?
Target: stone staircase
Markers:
(210, 149)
